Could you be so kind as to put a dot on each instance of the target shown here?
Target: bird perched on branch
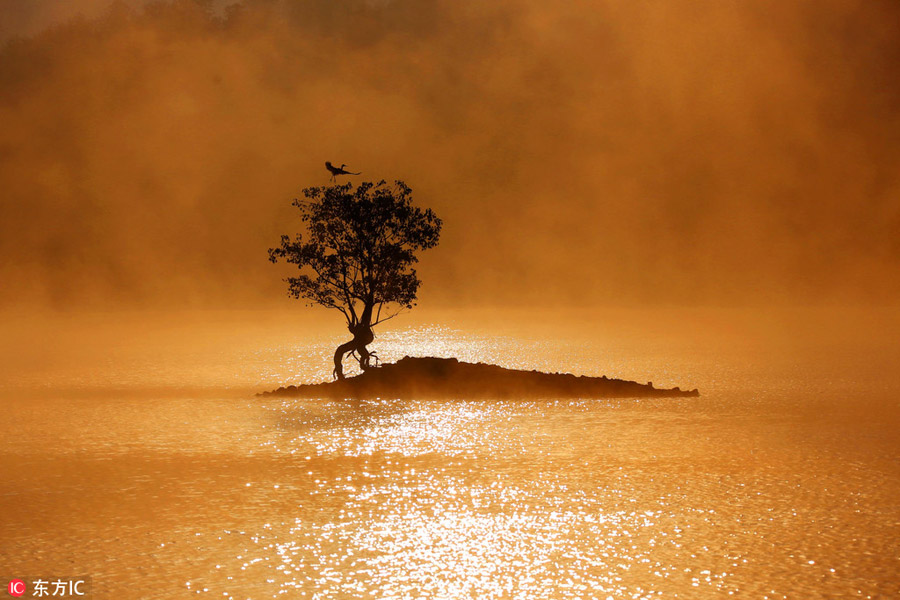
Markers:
(335, 171)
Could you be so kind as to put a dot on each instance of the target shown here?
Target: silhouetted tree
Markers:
(357, 255)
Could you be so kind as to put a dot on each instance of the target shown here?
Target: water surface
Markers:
(134, 450)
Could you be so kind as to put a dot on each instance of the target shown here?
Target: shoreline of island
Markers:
(430, 377)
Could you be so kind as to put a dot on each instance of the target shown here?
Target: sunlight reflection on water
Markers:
(441, 506)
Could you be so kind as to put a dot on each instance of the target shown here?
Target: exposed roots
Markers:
(362, 337)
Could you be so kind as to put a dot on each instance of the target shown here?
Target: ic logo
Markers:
(16, 588)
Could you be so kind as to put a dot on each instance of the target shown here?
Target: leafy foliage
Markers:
(359, 249)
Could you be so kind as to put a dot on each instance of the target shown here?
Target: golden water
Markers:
(133, 450)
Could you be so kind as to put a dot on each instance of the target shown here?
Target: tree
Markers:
(358, 256)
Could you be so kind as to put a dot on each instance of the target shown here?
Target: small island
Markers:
(357, 257)
(417, 378)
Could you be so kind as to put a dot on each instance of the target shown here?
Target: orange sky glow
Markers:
(582, 153)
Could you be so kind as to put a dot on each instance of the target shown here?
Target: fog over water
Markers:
(579, 153)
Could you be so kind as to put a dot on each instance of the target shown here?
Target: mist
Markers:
(613, 153)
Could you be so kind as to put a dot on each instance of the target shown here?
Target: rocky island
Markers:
(449, 378)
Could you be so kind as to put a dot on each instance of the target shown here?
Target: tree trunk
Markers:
(362, 337)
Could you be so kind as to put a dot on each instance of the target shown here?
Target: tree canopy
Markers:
(358, 251)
